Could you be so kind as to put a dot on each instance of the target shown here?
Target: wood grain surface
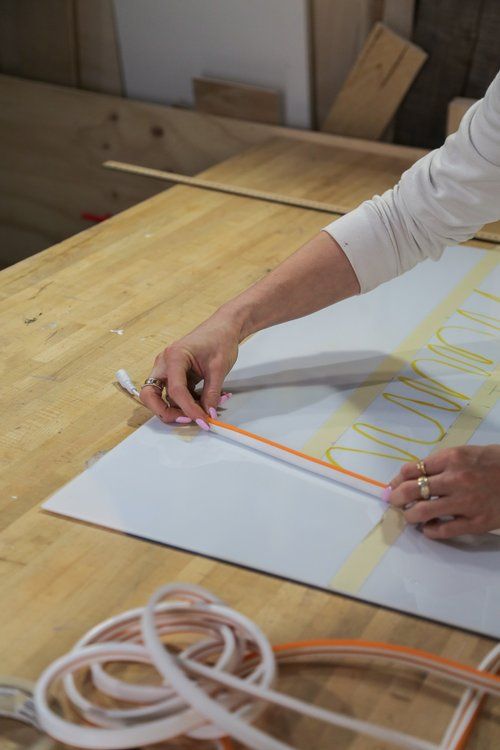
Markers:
(155, 271)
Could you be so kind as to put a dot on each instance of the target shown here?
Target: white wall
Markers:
(164, 43)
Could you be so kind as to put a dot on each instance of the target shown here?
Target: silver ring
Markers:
(154, 383)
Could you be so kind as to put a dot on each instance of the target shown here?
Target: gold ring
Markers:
(155, 383)
(421, 468)
(423, 486)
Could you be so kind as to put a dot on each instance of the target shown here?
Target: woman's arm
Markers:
(316, 276)
(444, 198)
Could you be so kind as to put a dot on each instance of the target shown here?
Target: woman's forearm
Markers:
(315, 276)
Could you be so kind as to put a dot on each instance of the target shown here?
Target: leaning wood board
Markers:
(376, 85)
(155, 271)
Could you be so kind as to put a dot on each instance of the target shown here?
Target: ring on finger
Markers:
(423, 486)
(154, 383)
(421, 468)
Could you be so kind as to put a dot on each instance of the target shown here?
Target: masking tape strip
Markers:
(377, 381)
(369, 552)
(474, 413)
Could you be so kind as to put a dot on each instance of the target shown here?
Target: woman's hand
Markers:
(316, 275)
(208, 353)
(464, 483)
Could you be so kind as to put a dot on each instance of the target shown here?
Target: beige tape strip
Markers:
(360, 563)
(473, 414)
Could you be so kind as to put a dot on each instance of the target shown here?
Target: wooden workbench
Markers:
(154, 272)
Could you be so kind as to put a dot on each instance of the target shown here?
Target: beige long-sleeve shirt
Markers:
(443, 199)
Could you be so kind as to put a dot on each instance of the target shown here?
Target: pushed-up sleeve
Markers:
(443, 199)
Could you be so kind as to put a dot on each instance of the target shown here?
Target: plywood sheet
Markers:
(98, 55)
(37, 40)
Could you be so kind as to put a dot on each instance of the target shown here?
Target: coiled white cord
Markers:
(217, 687)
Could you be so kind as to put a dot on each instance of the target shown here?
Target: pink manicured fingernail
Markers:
(183, 420)
(201, 423)
(227, 394)
(212, 412)
(386, 493)
(222, 400)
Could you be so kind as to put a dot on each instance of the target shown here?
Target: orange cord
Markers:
(356, 643)
(294, 452)
(390, 648)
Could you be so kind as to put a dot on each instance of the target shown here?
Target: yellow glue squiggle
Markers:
(448, 355)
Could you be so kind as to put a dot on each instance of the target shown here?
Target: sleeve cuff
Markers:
(365, 241)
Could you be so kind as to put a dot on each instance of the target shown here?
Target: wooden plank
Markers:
(222, 187)
(448, 32)
(339, 30)
(98, 54)
(239, 100)
(456, 110)
(37, 40)
(157, 271)
(70, 132)
(376, 85)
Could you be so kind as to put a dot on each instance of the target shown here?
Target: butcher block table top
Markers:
(153, 273)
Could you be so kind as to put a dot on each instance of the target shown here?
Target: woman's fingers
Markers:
(428, 510)
(434, 464)
(448, 529)
(212, 390)
(177, 368)
(409, 491)
(151, 397)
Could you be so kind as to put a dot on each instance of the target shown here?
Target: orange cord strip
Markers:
(294, 452)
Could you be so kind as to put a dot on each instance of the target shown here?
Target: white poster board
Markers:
(314, 384)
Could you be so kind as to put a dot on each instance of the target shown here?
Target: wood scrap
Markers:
(375, 86)
(239, 100)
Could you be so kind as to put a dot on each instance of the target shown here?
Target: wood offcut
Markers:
(376, 85)
(238, 100)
